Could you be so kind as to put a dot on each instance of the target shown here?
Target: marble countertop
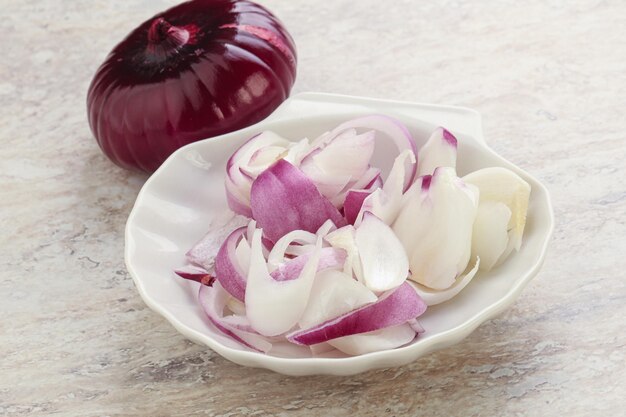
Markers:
(550, 82)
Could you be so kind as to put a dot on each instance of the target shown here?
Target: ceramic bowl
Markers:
(179, 201)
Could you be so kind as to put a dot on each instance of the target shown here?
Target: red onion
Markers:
(213, 300)
(385, 265)
(194, 273)
(336, 162)
(284, 199)
(330, 258)
(229, 272)
(393, 308)
(392, 128)
(354, 202)
(200, 69)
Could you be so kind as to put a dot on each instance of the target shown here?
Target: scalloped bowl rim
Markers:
(347, 365)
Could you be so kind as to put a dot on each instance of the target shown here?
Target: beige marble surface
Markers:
(550, 81)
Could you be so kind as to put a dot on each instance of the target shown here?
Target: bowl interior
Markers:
(179, 202)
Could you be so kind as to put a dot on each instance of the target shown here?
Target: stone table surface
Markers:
(550, 81)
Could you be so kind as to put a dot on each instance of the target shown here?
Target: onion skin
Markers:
(198, 70)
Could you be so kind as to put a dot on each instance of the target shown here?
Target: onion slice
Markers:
(343, 160)
(346, 155)
(283, 199)
(435, 227)
(329, 258)
(274, 307)
(237, 164)
(392, 128)
(333, 294)
(432, 297)
(237, 203)
(327, 184)
(353, 203)
(386, 202)
(227, 267)
(490, 235)
(438, 151)
(383, 259)
(195, 273)
(393, 308)
(213, 300)
(277, 254)
(369, 182)
(384, 339)
(344, 238)
(203, 253)
(326, 228)
(504, 186)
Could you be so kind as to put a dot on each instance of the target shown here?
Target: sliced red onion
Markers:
(248, 173)
(238, 322)
(368, 182)
(384, 339)
(289, 247)
(328, 185)
(353, 203)
(320, 349)
(432, 297)
(274, 307)
(346, 134)
(393, 308)
(250, 230)
(344, 160)
(283, 199)
(227, 267)
(250, 151)
(242, 254)
(291, 269)
(277, 254)
(377, 182)
(326, 228)
(204, 252)
(326, 137)
(435, 228)
(347, 155)
(416, 325)
(384, 262)
(195, 273)
(386, 202)
(297, 152)
(395, 130)
(330, 258)
(490, 235)
(344, 238)
(438, 151)
(333, 294)
(213, 300)
(236, 306)
(295, 250)
(239, 173)
(501, 185)
(261, 159)
(237, 204)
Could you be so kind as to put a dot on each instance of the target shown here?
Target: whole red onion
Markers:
(197, 70)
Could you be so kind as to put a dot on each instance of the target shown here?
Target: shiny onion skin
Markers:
(198, 70)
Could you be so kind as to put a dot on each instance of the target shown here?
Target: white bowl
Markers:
(176, 205)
